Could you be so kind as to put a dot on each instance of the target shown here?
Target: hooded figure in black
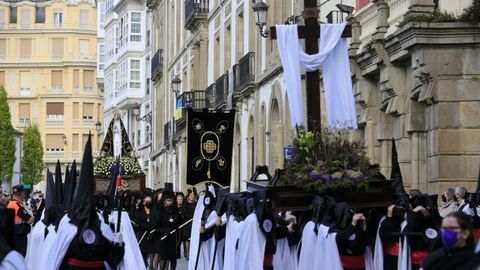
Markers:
(145, 227)
(391, 227)
(90, 248)
(422, 229)
(352, 236)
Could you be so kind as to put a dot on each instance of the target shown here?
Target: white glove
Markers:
(118, 238)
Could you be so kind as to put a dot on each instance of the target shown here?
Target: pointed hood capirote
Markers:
(58, 184)
(82, 212)
(50, 194)
(51, 203)
(69, 187)
(400, 196)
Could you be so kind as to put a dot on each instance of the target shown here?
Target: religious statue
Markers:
(117, 136)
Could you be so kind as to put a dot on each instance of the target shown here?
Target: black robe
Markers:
(421, 242)
(188, 210)
(101, 250)
(389, 234)
(352, 241)
(444, 259)
(165, 223)
(145, 225)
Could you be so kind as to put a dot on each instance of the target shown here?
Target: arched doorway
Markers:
(251, 148)
(276, 137)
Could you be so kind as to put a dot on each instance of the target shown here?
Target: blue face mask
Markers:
(449, 238)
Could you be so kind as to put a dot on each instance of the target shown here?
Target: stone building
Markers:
(215, 50)
(125, 77)
(418, 83)
(48, 65)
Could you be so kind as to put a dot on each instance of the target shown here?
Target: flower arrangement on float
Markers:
(328, 161)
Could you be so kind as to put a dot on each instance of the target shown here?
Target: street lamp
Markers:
(98, 127)
(261, 8)
(176, 84)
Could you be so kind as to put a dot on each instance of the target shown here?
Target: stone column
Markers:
(260, 149)
(370, 142)
(382, 19)
(280, 145)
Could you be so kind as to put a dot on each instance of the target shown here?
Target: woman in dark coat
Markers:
(145, 225)
(166, 243)
(188, 209)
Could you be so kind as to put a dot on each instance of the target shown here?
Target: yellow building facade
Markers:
(48, 67)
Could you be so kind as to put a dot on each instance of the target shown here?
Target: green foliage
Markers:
(327, 161)
(7, 139)
(471, 14)
(32, 158)
(103, 165)
(435, 16)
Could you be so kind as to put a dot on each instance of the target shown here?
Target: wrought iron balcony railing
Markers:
(246, 72)
(210, 96)
(167, 133)
(157, 65)
(195, 10)
(221, 91)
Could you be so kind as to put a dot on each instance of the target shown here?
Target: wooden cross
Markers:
(311, 33)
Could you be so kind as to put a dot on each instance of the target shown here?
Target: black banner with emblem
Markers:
(209, 150)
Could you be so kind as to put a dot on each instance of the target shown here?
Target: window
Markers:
(54, 143)
(2, 77)
(57, 18)
(138, 137)
(76, 110)
(147, 134)
(25, 49)
(39, 14)
(102, 15)
(83, 18)
(75, 142)
(87, 111)
(23, 114)
(2, 19)
(55, 110)
(25, 18)
(76, 79)
(148, 38)
(3, 48)
(84, 44)
(134, 73)
(101, 56)
(24, 83)
(88, 80)
(148, 86)
(136, 27)
(57, 48)
(123, 31)
(13, 14)
(84, 140)
(57, 80)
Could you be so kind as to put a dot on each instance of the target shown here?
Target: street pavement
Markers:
(182, 264)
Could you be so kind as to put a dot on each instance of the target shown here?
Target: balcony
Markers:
(245, 75)
(54, 121)
(157, 66)
(23, 122)
(210, 96)
(195, 12)
(221, 91)
(167, 133)
(53, 156)
(195, 100)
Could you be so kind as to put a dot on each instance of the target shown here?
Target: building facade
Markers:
(417, 82)
(215, 49)
(126, 77)
(402, 90)
(48, 65)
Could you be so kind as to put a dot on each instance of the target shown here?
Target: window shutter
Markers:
(88, 78)
(76, 78)
(2, 77)
(57, 78)
(57, 47)
(25, 17)
(84, 17)
(76, 110)
(88, 110)
(24, 111)
(25, 79)
(55, 108)
(3, 47)
(55, 141)
(25, 48)
(75, 142)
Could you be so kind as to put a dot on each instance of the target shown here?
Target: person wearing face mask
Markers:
(144, 220)
(458, 245)
(463, 205)
(166, 241)
(188, 209)
(449, 203)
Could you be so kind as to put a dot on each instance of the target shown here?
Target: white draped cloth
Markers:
(251, 245)
(307, 252)
(334, 61)
(234, 230)
(36, 240)
(207, 247)
(13, 261)
(195, 239)
(133, 257)
(285, 256)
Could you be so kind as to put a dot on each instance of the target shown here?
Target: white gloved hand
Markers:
(118, 238)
